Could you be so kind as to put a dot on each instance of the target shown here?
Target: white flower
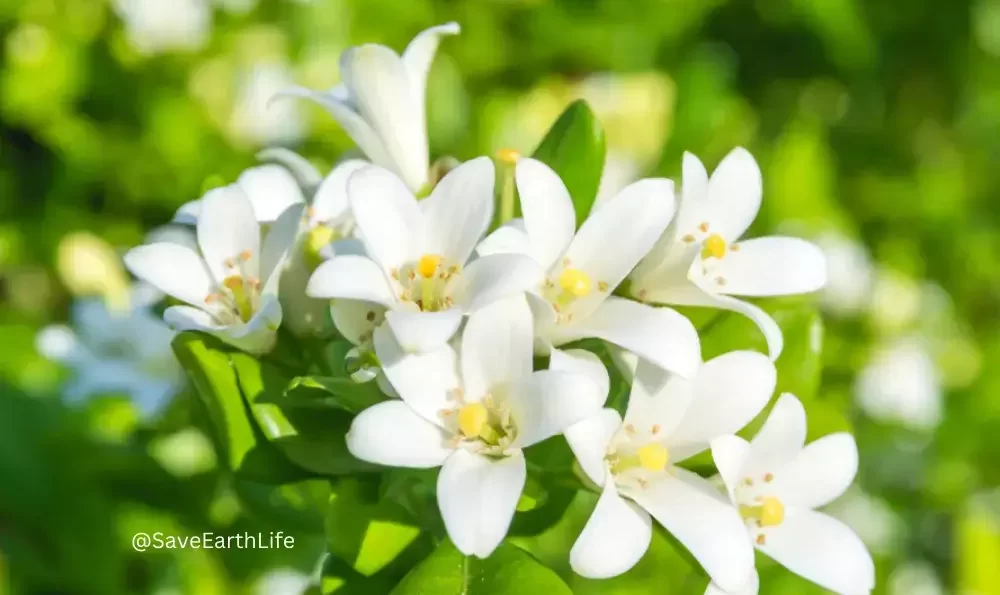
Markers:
(418, 254)
(473, 418)
(849, 287)
(635, 462)
(901, 384)
(116, 351)
(583, 267)
(154, 26)
(776, 483)
(270, 188)
(254, 118)
(381, 103)
(231, 285)
(698, 261)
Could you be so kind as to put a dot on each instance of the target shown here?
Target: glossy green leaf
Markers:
(331, 392)
(508, 571)
(574, 148)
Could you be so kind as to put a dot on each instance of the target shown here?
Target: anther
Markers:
(704, 227)
(602, 286)
(245, 255)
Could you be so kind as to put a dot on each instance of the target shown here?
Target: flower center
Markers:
(239, 293)
(570, 285)
(574, 284)
(485, 423)
(427, 282)
(713, 247)
(769, 513)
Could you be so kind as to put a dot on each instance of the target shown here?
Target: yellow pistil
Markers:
(317, 239)
(653, 457)
(575, 282)
(713, 247)
(428, 265)
(769, 513)
(508, 156)
(241, 297)
(472, 418)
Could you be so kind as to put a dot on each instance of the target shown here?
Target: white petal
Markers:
(495, 277)
(459, 210)
(477, 496)
(392, 434)
(351, 277)
(271, 190)
(361, 132)
(782, 436)
(278, 244)
(422, 332)
(387, 215)
(823, 550)
(710, 529)
(658, 397)
(381, 91)
(175, 234)
(304, 172)
(772, 266)
(589, 439)
(188, 213)
(820, 474)
(356, 319)
(510, 238)
(227, 229)
(734, 194)
(417, 59)
(330, 202)
(640, 212)
(730, 454)
(752, 588)
(256, 336)
(729, 391)
(694, 193)
(583, 362)
(548, 210)
(496, 346)
(659, 335)
(549, 401)
(173, 269)
(614, 539)
(423, 381)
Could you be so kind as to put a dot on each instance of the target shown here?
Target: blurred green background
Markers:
(876, 124)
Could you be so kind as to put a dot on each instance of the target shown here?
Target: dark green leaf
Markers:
(574, 148)
(326, 391)
(508, 571)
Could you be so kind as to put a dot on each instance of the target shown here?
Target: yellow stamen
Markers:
(508, 156)
(713, 247)
(653, 457)
(769, 513)
(575, 282)
(472, 419)
(241, 297)
(428, 265)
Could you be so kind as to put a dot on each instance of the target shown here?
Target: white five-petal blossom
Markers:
(381, 102)
(634, 460)
(417, 264)
(583, 267)
(776, 483)
(231, 284)
(699, 262)
(473, 416)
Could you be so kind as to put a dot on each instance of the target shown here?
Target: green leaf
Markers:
(508, 571)
(574, 148)
(331, 392)
(312, 439)
(241, 444)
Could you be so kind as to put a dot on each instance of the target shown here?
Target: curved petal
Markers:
(614, 539)
(357, 320)
(417, 59)
(589, 439)
(752, 588)
(495, 277)
(496, 347)
(228, 232)
(640, 212)
(330, 202)
(660, 335)
(175, 270)
(421, 332)
(548, 210)
(380, 89)
(459, 210)
(271, 189)
(387, 215)
(339, 106)
(823, 550)
(304, 172)
(424, 381)
(820, 474)
(278, 244)
(772, 266)
(782, 436)
(477, 496)
(730, 390)
(509, 238)
(583, 362)
(710, 529)
(549, 401)
(730, 454)
(188, 213)
(658, 398)
(694, 193)
(351, 277)
(392, 434)
(256, 337)
(734, 194)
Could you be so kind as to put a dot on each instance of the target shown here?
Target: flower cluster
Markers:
(476, 332)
